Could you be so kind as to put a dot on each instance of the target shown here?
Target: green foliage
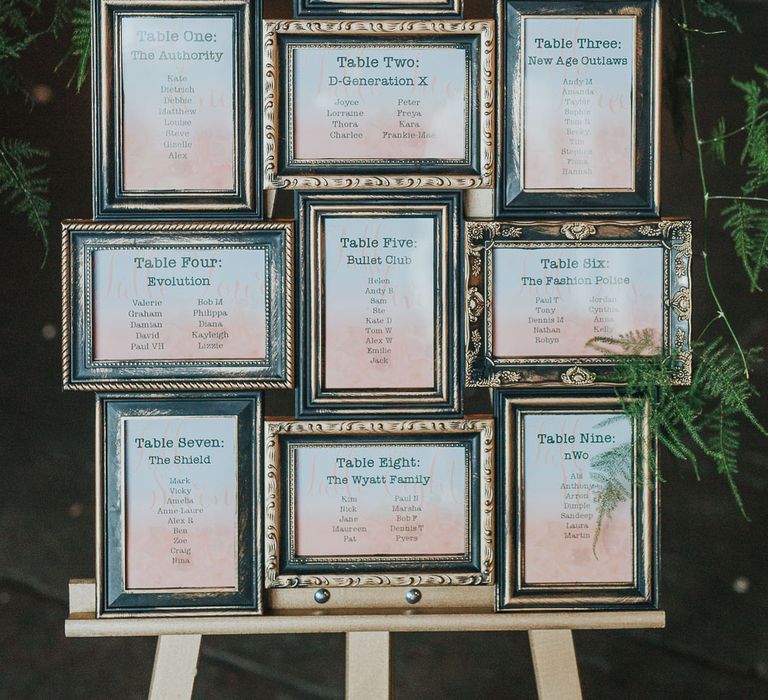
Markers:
(79, 46)
(23, 188)
(641, 342)
(746, 217)
(700, 420)
(716, 144)
(718, 10)
(610, 480)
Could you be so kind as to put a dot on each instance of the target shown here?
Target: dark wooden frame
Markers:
(514, 201)
(376, 8)
(113, 598)
(109, 198)
(82, 371)
(445, 398)
(512, 592)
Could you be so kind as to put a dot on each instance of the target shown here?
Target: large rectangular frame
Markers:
(109, 198)
(514, 201)
(313, 399)
(80, 369)
(513, 593)
(284, 570)
(484, 369)
(113, 598)
(279, 172)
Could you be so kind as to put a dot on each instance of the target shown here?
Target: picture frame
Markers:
(177, 306)
(592, 538)
(638, 303)
(175, 131)
(333, 137)
(172, 539)
(594, 69)
(446, 560)
(377, 8)
(379, 322)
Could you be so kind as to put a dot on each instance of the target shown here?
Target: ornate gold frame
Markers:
(483, 369)
(319, 175)
(371, 571)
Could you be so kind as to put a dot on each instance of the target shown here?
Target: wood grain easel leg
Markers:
(367, 666)
(554, 663)
(173, 674)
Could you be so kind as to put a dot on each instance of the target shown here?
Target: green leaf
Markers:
(23, 188)
(717, 10)
(716, 143)
(79, 46)
(610, 481)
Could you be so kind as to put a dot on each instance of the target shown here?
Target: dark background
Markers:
(714, 563)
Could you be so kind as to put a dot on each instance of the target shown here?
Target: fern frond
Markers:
(640, 342)
(716, 143)
(23, 188)
(610, 481)
(79, 45)
(717, 10)
(700, 421)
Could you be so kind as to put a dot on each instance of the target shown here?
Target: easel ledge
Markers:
(179, 639)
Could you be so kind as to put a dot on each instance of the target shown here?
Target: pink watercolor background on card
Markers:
(210, 162)
(545, 129)
(441, 107)
(411, 305)
(640, 302)
(149, 537)
(549, 557)
(442, 501)
(239, 281)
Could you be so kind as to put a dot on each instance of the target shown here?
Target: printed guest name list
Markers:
(365, 102)
(565, 297)
(178, 103)
(181, 502)
(179, 304)
(380, 499)
(578, 103)
(570, 462)
(379, 302)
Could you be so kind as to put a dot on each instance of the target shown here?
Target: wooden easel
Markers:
(178, 644)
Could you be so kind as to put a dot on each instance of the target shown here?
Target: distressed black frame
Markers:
(110, 200)
(313, 399)
(113, 597)
(512, 591)
(514, 201)
(377, 8)
(82, 371)
(483, 368)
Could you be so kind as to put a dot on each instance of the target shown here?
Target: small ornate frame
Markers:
(514, 593)
(282, 170)
(314, 399)
(673, 236)
(110, 198)
(114, 599)
(284, 569)
(81, 370)
(377, 8)
(512, 199)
